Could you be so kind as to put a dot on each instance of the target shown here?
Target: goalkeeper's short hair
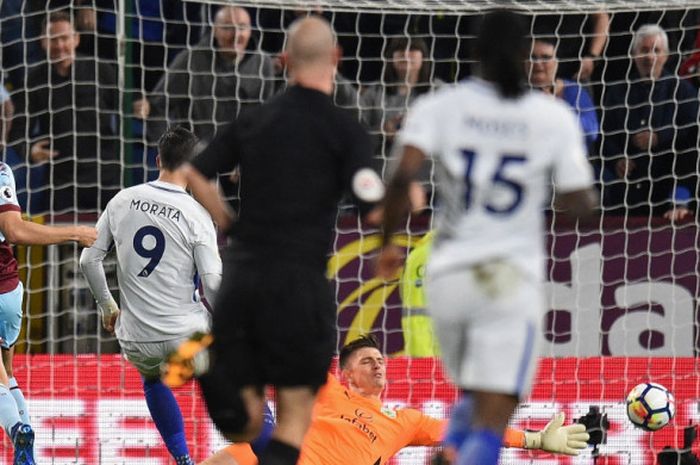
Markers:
(176, 147)
(366, 340)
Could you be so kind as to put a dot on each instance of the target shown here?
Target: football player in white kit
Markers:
(498, 147)
(165, 243)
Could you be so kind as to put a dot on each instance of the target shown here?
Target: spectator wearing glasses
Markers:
(542, 74)
(581, 39)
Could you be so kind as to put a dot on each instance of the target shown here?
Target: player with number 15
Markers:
(498, 147)
(165, 243)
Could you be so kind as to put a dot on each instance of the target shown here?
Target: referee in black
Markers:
(275, 316)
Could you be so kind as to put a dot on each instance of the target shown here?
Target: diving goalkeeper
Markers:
(350, 425)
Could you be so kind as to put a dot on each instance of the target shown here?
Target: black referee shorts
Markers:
(274, 323)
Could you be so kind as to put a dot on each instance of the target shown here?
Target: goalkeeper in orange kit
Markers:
(350, 425)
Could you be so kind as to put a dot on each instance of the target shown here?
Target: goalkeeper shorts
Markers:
(11, 316)
(488, 319)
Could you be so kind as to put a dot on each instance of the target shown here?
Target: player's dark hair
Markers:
(501, 48)
(56, 17)
(366, 340)
(176, 147)
(391, 79)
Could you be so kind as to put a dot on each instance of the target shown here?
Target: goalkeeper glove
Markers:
(109, 312)
(558, 439)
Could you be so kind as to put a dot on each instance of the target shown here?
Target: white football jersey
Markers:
(495, 162)
(157, 228)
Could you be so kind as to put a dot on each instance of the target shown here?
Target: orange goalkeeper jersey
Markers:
(350, 429)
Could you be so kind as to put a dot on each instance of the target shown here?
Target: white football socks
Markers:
(19, 400)
(9, 415)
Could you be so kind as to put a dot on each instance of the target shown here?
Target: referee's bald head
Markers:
(311, 42)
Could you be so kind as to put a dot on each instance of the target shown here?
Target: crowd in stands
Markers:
(75, 132)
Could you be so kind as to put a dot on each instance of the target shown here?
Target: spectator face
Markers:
(650, 56)
(60, 43)
(407, 63)
(232, 31)
(366, 370)
(542, 66)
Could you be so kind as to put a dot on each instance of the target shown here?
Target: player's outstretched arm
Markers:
(18, 231)
(557, 438)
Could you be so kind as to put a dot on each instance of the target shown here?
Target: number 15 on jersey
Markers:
(499, 179)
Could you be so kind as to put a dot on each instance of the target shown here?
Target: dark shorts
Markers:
(274, 324)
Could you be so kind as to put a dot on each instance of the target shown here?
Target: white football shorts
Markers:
(488, 318)
(147, 357)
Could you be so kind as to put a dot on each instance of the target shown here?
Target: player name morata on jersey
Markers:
(163, 239)
(154, 208)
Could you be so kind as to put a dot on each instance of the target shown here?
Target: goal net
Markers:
(622, 293)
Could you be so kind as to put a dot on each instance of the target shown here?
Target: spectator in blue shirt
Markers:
(542, 72)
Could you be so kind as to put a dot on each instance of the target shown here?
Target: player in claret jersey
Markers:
(165, 243)
(498, 147)
(14, 416)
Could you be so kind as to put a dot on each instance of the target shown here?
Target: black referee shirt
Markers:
(298, 154)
